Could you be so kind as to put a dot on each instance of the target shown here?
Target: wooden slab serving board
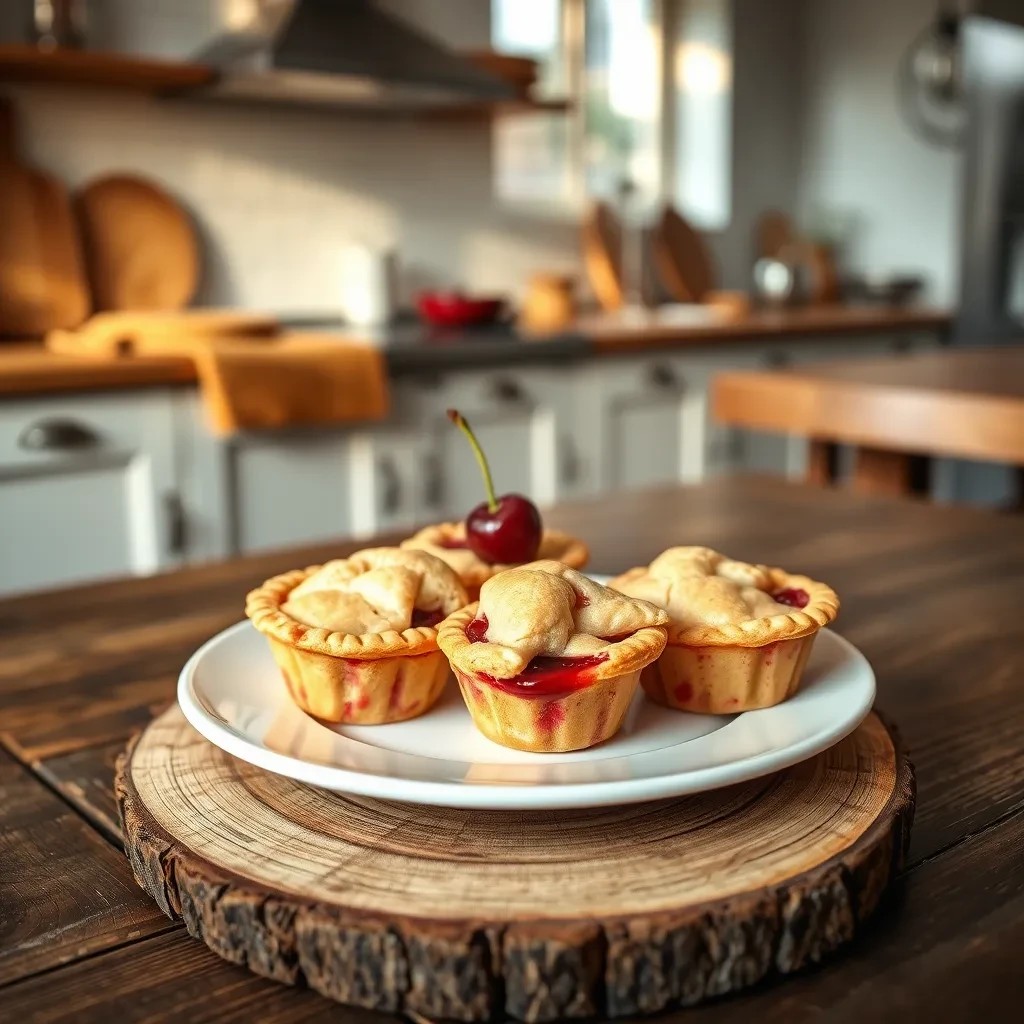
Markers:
(474, 915)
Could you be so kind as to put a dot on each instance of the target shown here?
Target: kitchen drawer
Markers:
(79, 430)
(87, 489)
(525, 420)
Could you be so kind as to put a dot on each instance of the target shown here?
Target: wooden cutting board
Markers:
(477, 915)
(601, 236)
(141, 247)
(42, 276)
(773, 232)
(117, 333)
(681, 258)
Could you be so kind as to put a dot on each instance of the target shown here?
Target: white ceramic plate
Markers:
(232, 693)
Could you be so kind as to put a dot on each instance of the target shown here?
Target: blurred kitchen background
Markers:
(251, 250)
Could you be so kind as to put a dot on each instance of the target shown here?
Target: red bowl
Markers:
(450, 309)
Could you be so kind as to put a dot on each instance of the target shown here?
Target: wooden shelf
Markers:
(506, 108)
(19, 63)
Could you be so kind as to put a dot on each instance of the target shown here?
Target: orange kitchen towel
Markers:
(254, 381)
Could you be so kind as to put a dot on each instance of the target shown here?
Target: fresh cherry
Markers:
(506, 529)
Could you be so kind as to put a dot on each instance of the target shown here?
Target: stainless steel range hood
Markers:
(342, 53)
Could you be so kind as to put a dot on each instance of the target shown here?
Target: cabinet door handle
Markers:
(665, 378)
(433, 481)
(571, 464)
(176, 523)
(57, 435)
(391, 486)
(507, 389)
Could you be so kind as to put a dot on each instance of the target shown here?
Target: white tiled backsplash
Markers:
(276, 192)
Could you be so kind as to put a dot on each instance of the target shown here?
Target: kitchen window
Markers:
(650, 83)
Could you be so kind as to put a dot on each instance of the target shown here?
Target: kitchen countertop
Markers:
(679, 326)
(27, 368)
(930, 594)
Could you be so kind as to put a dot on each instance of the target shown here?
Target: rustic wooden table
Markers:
(931, 595)
(957, 403)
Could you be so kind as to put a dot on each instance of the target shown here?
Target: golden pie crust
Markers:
(726, 667)
(565, 720)
(473, 571)
(366, 679)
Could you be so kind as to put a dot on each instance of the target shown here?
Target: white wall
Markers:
(859, 155)
(767, 55)
(276, 191)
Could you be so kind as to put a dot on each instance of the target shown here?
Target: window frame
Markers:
(667, 17)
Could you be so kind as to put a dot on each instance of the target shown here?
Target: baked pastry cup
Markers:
(548, 660)
(448, 542)
(739, 636)
(356, 639)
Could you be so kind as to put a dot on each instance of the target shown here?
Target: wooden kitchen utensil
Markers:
(681, 258)
(115, 332)
(549, 304)
(476, 915)
(42, 276)
(822, 275)
(602, 255)
(773, 231)
(141, 247)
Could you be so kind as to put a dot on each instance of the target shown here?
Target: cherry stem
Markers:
(460, 421)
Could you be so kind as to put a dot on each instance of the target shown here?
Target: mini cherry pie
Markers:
(549, 660)
(356, 639)
(448, 542)
(740, 634)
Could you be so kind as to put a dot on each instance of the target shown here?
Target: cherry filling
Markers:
(476, 631)
(549, 677)
(422, 618)
(795, 597)
(452, 543)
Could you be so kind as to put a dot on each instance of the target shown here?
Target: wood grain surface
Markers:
(85, 779)
(455, 914)
(28, 368)
(601, 238)
(63, 894)
(141, 247)
(966, 403)
(653, 331)
(931, 595)
(169, 977)
(682, 259)
(21, 63)
(773, 231)
(42, 274)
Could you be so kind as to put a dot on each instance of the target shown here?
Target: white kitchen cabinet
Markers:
(396, 480)
(87, 489)
(125, 483)
(288, 487)
(648, 422)
(640, 432)
(260, 490)
(525, 419)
